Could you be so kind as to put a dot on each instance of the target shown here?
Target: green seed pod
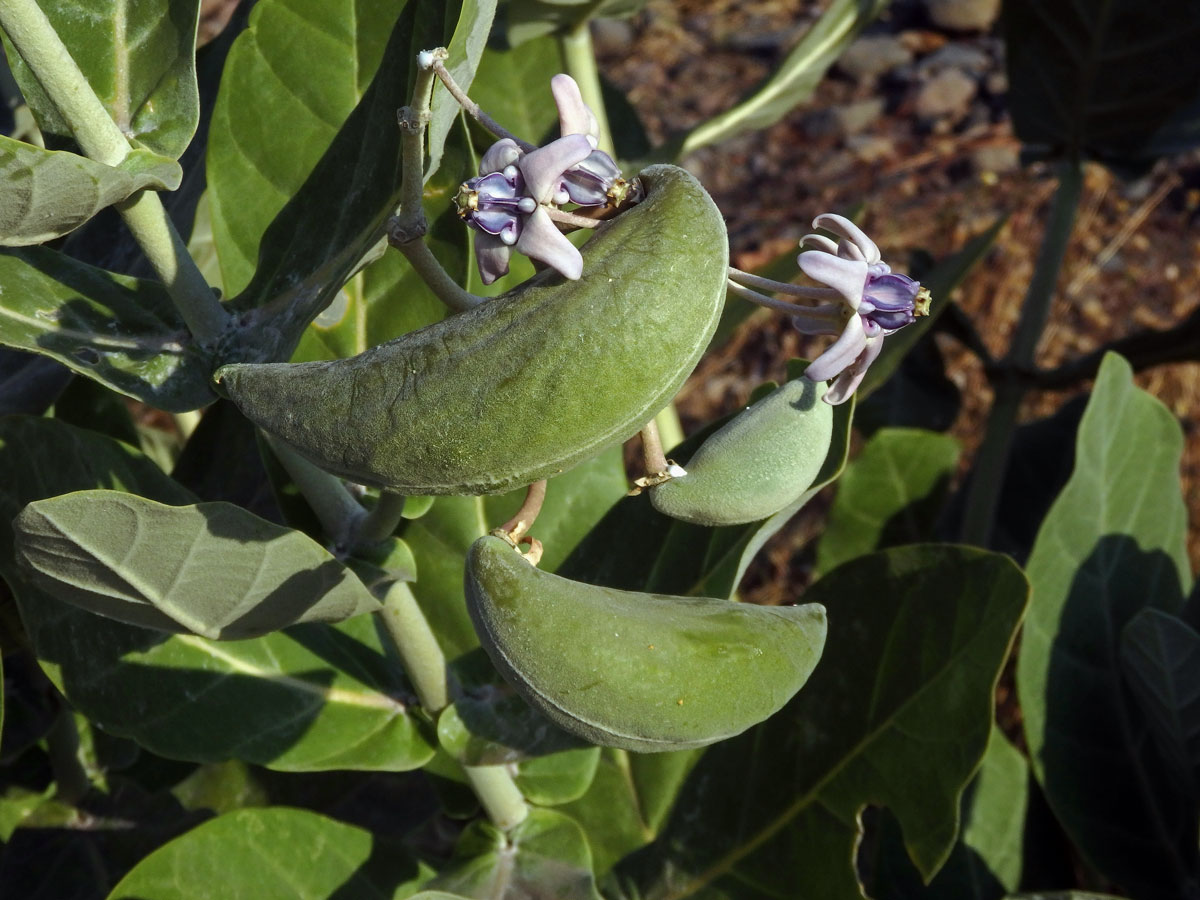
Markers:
(760, 461)
(526, 385)
(644, 672)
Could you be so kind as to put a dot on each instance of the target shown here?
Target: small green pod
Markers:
(760, 461)
(644, 672)
(526, 385)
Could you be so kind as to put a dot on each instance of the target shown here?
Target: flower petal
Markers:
(540, 240)
(499, 156)
(840, 354)
(824, 319)
(843, 227)
(847, 383)
(819, 242)
(846, 276)
(491, 255)
(543, 168)
(574, 116)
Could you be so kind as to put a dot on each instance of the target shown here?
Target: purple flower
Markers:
(875, 303)
(506, 205)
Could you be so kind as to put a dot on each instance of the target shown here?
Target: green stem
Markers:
(580, 59)
(62, 746)
(501, 798)
(338, 511)
(99, 137)
(418, 647)
(406, 230)
(992, 458)
(382, 520)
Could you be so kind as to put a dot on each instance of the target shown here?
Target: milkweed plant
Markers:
(354, 547)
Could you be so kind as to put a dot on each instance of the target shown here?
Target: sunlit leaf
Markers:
(1112, 545)
(140, 60)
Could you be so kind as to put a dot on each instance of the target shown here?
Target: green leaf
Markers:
(471, 21)
(545, 856)
(48, 193)
(796, 78)
(140, 60)
(273, 853)
(986, 862)
(122, 332)
(889, 495)
(628, 801)
(210, 569)
(898, 713)
(329, 77)
(1116, 81)
(1112, 545)
(316, 697)
(941, 282)
(1160, 658)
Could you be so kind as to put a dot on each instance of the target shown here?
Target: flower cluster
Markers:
(509, 203)
(875, 302)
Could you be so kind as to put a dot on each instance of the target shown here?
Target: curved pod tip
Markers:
(759, 462)
(644, 672)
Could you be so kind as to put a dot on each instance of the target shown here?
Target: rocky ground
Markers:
(911, 128)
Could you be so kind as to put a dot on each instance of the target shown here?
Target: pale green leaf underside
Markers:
(122, 332)
(270, 853)
(795, 79)
(210, 569)
(48, 193)
(139, 58)
(315, 697)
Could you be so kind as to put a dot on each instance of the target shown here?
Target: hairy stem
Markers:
(99, 137)
(580, 59)
(653, 456)
(780, 287)
(472, 109)
(71, 781)
(406, 230)
(523, 519)
(501, 798)
(381, 521)
(570, 218)
(417, 645)
(992, 458)
(338, 512)
(670, 429)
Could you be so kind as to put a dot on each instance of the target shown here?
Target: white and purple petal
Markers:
(840, 354)
(574, 116)
(847, 383)
(499, 156)
(491, 255)
(846, 276)
(855, 243)
(541, 240)
(543, 168)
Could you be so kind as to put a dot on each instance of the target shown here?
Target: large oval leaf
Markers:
(1112, 544)
(48, 193)
(273, 853)
(210, 569)
(315, 697)
(140, 60)
(123, 332)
